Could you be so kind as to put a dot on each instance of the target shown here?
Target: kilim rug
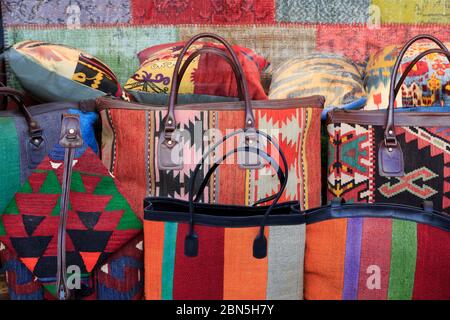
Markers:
(115, 31)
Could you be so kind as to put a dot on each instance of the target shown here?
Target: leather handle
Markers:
(170, 121)
(70, 138)
(18, 97)
(390, 154)
(217, 52)
(260, 242)
(389, 133)
(280, 174)
(412, 64)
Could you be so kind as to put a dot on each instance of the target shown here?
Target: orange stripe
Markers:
(245, 278)
(153, 255)
(312, 158)
(131, 162)
(324, 259)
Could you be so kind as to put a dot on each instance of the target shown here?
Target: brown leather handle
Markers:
(409, 68)
(14, 94)
(33, 127)
(217, 52)
(170, 122)
(389, 133)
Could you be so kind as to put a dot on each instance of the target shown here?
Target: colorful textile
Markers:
(54, 72)
(100, 219)
(376, 258)
(353, 173)
(225, 267)
(330, 75)
(297, 130)
(342, 260)
(115, 31)
(155, 73)
(428, 83)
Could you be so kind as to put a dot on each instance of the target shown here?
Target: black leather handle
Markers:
(170, 121)
(217, 52)
(262, 154)
(260, 242)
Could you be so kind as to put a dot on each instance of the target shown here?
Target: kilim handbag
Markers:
(152, 134)
(388, 251)
(65, 222)
(209, 251)
(372, 159)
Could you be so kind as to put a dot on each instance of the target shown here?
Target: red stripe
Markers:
(432, 278)
(201, 277)
(375, 258)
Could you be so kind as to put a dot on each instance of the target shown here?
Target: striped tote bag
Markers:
(209, 251)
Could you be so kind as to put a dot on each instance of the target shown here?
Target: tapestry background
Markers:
(115, 31)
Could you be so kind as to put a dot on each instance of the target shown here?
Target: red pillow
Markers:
(209, 75)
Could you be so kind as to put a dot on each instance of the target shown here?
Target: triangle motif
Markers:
(90, 182)
(36, 180)
(89, 219)
(30, 223)
(30, 263)
(90, 259)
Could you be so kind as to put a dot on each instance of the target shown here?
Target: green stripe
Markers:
(168, 263)
(403, 260)
(9, 161)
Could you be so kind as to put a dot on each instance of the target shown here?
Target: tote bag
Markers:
(379, 156)
(136, 137)
(212, 251)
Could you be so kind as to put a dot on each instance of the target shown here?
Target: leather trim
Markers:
(390, 160)
(378, 118)
(306, 102)
(377, 210)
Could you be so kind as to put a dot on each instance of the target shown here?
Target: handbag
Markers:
(375, 158)
(65, 222)
(166, 142)
(211, 251)
(382, 251)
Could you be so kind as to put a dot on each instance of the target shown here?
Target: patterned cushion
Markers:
(53, 72)
(428, 83)
(333, 76)
(151, 82)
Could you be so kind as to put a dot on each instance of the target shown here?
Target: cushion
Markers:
(333, 76)
(428, 83)
(54, 72)
(208, 79)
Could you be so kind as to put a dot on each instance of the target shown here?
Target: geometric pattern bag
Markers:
(383, 156)
(144, 131)
(213, 251)
(69, 216)
(377, 251)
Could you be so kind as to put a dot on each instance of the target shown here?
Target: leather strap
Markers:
(170, 121)
(337, 209)
(260, 242)
(217, 52)
(413, 63)
(390, 154)
(34, 129)
(389, 133)
(264, 155)
(70, 139)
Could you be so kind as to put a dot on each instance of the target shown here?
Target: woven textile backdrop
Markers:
(115, 31)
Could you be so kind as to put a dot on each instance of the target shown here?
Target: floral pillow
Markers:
(428, 83)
